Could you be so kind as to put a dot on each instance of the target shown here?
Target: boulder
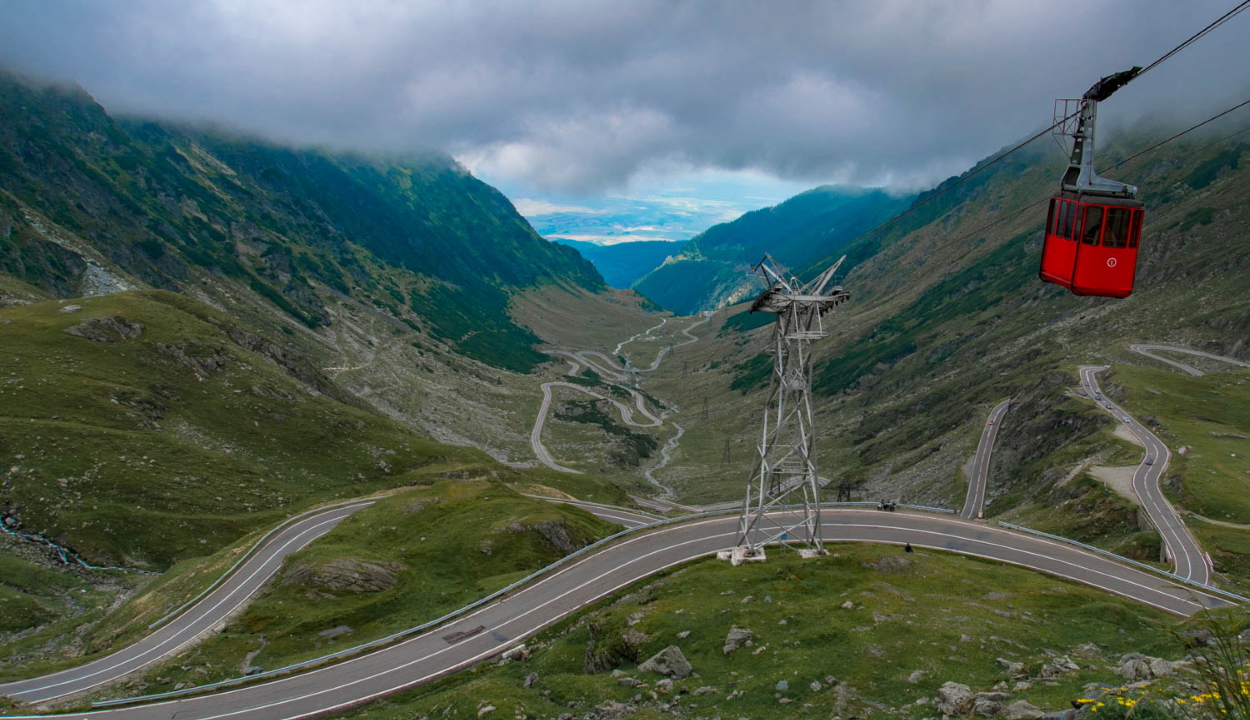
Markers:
(1135, 670)
(986, 708)
(1160, 667)
(668, 661)
(737, 637)
(530, 680)
(1022, 710)
(954, 699)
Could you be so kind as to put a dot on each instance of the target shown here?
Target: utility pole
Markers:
(685, 368)
(725, 457)
(782, 502)
(703, 415)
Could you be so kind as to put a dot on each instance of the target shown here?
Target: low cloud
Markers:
(580, 97)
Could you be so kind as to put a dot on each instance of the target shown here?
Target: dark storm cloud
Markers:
(581, 96)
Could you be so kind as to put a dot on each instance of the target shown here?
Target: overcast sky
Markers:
(553, 100)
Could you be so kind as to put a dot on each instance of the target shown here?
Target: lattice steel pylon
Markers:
(784, 473)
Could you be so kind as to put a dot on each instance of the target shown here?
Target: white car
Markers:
(1128, 419)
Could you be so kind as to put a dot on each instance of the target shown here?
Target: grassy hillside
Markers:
(914, 622)
(414, 556)
(947, 318)
(144, 428)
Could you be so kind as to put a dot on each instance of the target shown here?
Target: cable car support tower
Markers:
(782, 503)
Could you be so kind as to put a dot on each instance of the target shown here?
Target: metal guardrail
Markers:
(346, 652)
(1120, 558)
(250, 552)
(460, 611)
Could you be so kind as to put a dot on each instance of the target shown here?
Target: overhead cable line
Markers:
(1134, 156)
(1197, 36)
(1191, 40)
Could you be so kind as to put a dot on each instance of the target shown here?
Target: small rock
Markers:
(815, 686)
(783, 622)
(1021, 686)
(668, 661)
(848, 605)
(915, 677)
(954, 699)
(785, 701)
(986, 708)
(628, 682)
(70, 308)
(746, 599)
(683, 634)
(736, 638)
(831, 680)
(180, 685)
(782, 686)
(530, 680)
(1022, 710)
(486, 710)
(706, 690)
(664, 686)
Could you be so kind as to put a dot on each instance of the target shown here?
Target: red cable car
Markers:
(1094, 226)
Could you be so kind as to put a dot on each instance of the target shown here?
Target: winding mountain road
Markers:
(206, 615)
(1188, 559)
(646, 550)
(608, 369)
(1146, 350)
(975, 502)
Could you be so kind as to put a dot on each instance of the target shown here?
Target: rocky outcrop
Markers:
(1135, 667)
(737, 637)
(668, 661)
(354, 575)
(1057, 667)
(954, 699)
(608, 649)
(106, 329)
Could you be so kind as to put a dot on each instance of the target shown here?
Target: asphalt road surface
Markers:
(201, 618)
(981, 463)
(1146, 350)
(505, 623)
(1188, 559)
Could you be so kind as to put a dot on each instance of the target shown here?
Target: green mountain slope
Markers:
(623, 264)
(947, 317)
(165, 205)
(713, 268)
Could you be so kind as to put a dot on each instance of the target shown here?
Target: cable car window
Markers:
(1093, 225)
(1117, 227)
(1135, 229)
(1052, 221)
(1068, 218)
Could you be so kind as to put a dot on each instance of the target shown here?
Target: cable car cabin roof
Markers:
(1092, 199)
